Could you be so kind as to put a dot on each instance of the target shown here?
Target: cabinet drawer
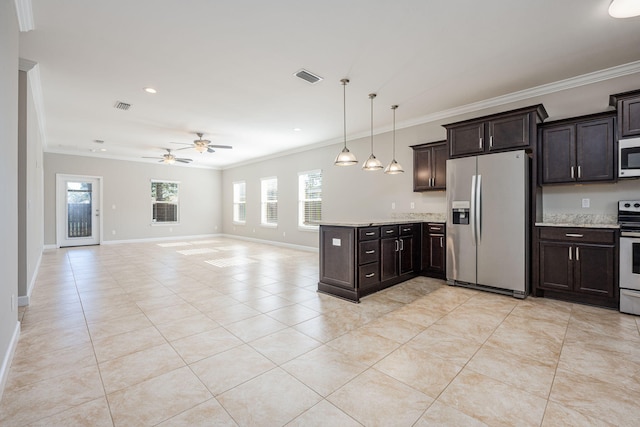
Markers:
(407, 229)
(434, 228)
(388, 231)
(368, 233)
(368, 275)
(587, 235)
(369, 251)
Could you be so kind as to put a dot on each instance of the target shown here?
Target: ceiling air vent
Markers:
(308, 76)
(122, 106)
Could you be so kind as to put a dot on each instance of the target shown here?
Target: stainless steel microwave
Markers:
(629, 158)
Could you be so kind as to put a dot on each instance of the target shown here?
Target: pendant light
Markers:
(372, 164)
(345, 158)
(394, 167)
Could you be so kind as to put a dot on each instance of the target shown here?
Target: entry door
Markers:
(78, 208)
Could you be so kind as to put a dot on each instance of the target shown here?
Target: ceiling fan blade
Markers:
(184, 160)
(181, 143)
(183, 148)
(210, 150)
(220, 146)
(149, 157)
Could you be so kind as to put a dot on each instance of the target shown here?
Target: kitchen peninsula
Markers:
(360, 258)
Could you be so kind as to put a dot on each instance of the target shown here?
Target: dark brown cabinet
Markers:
(511, 130)
(429, 166)
(628, 107)
(579, 264)
(358, 261)
(578, 150)
(433, 250)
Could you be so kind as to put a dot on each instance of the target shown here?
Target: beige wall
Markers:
(126, 197)
(8, 185)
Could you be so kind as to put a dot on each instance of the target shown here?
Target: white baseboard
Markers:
(271, 242)
(160, 239)
(8, 357)
(24, 300)
(54, 246)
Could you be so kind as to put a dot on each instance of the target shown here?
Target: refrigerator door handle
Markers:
(472, 212)
(478, 216)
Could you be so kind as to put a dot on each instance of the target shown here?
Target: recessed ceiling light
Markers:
(297, 129)
(150, 90)
(624, 8)
(103, 149)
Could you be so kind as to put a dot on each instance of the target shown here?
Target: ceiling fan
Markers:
(170, 158)
(201, 145)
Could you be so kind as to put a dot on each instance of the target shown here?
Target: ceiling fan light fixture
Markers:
(624, 8)
(345, 157)
(201, 148)
(394, 167)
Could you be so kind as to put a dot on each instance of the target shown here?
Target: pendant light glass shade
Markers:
(346, 157)
(394, 167)
(372, 164)
(624, 8)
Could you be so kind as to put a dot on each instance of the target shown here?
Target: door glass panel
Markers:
(79, 208)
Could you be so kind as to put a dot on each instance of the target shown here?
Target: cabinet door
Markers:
(509, 132)
(439, 170)
(406, 255)
(594, 150)
(436, 253)
(630, 116)
(388, 258)
(422, 174)
(466, 140)
(556, 269)
(594, 268)
(558, 154)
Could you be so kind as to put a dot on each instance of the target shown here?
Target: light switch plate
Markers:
(586, 203)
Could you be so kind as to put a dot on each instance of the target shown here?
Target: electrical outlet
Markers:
(113, 232)
(13, 303)
(586, 203)
(284, 234)
(393, 205)
(413, 205)
(170, 229)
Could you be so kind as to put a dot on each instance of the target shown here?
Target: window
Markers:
(164, 201)
(309, 199)
(269, 211)
(240, 202)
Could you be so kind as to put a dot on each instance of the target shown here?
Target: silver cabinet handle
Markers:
(491, 141)
(440, 241)
(397, 246)
(389, 231)
(572, 175)
(370, 275)
(406, 229)
(370, 252)
(480, 144)
(434, 229)
(579, 172)
(570, 257)
(370, 233)
(401, 245)
(577, 253)
(574, 235)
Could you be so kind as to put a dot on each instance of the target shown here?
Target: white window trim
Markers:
(233, 203)
(166, 223)
(302, 227)
(263, 203)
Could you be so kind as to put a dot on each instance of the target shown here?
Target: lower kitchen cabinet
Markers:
(434, 250)
(579, 264)
(357, 261)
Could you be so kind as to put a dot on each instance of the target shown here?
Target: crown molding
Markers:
(26, 64)
(546, 89)
(25, 15)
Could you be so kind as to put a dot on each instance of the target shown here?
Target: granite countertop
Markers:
(400, 218)
(579, 221)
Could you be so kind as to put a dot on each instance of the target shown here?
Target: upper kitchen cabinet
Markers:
(628, 106)
(512, 130)
(580, 149)
(429, 166)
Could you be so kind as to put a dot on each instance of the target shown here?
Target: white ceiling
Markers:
(225, 68)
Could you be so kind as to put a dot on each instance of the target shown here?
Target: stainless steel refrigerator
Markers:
(488, 221)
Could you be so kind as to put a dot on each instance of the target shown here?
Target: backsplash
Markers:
(572, 218)
(420, 216)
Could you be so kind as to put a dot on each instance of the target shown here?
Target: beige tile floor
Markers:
(225, 332)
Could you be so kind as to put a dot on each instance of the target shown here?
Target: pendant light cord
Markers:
(393, 107)
(371, 96)
(344, 109)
